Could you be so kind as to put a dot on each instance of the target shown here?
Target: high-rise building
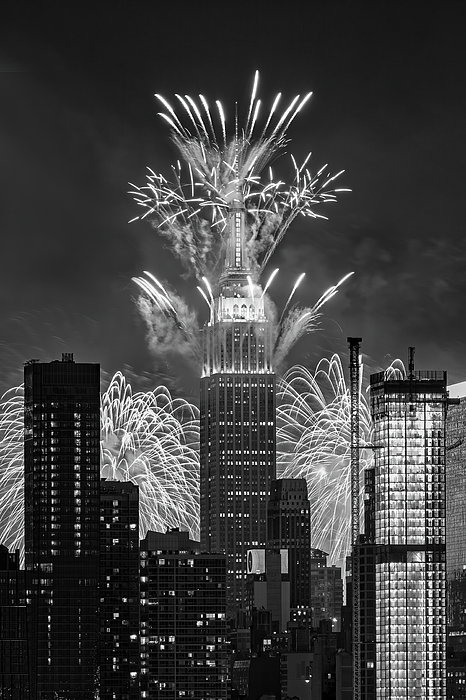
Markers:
(289, 528)
(14, 657)
(326, 590)
(366, 553)
(61, 517)
(183, 622)
(237, 403)
(456, 544)
(409, 436)
(119, 652)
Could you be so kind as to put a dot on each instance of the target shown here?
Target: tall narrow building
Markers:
(119, 650)
(61, 518)
(289, 527)
(409, 435)
(237, 429)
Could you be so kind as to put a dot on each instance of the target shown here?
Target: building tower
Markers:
(119, 652)
(14, 658)
(237, 429)
(61, 517)
(289, 527)
(409, 433)
(184, 651)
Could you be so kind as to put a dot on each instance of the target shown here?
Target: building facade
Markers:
(409, 433)
(183, 623)
(237, 404)
(456, 546)
(119, 650)
(61, 518)
(14, 654)
(289, 527)
(326, 590)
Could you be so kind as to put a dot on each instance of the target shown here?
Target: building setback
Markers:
(183, 622)
(119, 652)
(409, 432)
(237, 405)
(61, 517)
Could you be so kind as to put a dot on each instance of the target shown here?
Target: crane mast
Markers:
(354, 367)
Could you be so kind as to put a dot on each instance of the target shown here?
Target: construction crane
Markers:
(354, 367)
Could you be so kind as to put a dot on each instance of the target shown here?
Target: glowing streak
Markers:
(209, 288)
(296, 285)
(253, 97)
(222, 120)
(269, 281)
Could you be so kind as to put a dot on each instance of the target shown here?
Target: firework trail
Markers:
(148, 438)
(314, 442)
(214, 171)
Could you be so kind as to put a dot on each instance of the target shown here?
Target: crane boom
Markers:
(354, 367)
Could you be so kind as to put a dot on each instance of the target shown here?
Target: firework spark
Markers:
(314, 441)
(148, 438)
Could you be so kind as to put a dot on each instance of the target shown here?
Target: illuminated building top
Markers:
(238, 336)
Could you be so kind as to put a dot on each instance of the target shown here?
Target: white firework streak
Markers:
(314, 441)
(148, 438)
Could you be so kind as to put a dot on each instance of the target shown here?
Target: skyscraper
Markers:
(183, 620)
(61, 514)
(456, 544)
(289, 528)
(119, 652)
(237, 429)
(409, 435)
(14, 658)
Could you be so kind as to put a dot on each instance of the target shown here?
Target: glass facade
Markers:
(409, 434)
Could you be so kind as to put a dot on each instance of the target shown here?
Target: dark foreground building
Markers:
(14, 661)
(119, 653)
(183, 622)
(61, 514)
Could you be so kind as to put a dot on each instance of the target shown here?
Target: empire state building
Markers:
(237, 440)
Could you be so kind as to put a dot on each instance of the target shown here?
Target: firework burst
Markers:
(314, 440)
(215, 168)
(216, 172)
(148, 438)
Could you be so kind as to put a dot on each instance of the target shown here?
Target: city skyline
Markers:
(393, 129)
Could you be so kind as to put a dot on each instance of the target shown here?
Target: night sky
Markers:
(78, 120)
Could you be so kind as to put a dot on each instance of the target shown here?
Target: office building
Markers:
(119, 652)
(237, 404)
(14, 657)
(61, 517)
(456, 544)
(183, 622)
(326, 590)
(367, 553)
(409, 433)
(268, 587)
(289, 528)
